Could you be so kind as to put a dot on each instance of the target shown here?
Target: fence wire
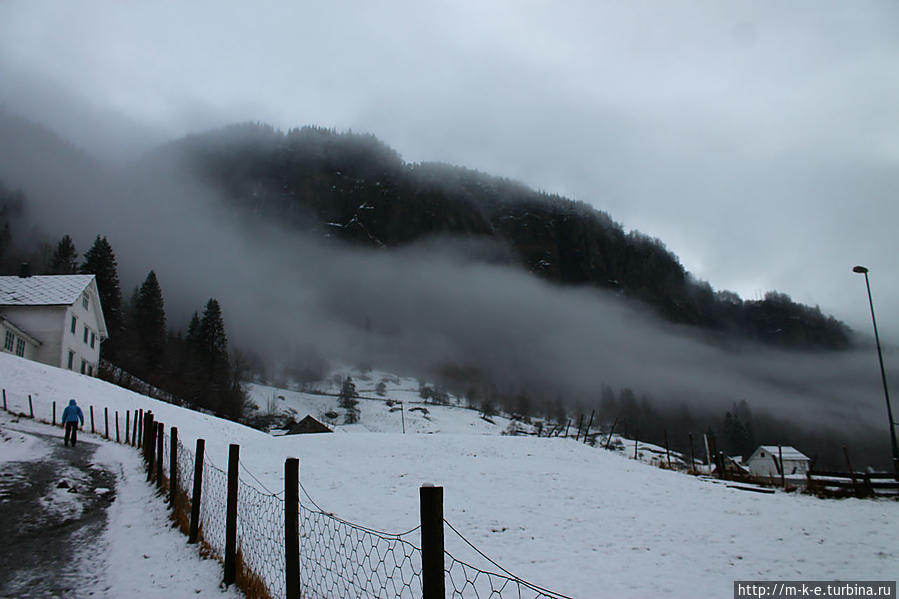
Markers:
(186, 465)
(260, 533)
(213, 507)
(465, 580)
(341, 559)
(338, 559)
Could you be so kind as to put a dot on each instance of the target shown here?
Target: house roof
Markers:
(308, 425)
(43, 290)
(789, 453)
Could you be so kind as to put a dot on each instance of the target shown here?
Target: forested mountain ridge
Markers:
(355, 188)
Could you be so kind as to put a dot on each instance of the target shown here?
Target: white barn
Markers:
(764, 461)
(54, 319)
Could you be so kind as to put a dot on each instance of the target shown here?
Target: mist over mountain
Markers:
(328, 247)
(355, 188)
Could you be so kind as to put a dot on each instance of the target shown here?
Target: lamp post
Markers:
(883, 375)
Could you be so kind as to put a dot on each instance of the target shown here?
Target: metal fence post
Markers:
(173, 466)
(292, 526)
(231, 516)
(432, 573)
(198, 492)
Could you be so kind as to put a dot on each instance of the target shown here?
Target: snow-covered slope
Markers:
(576, 519)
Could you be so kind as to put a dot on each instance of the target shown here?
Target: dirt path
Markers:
(52, 510)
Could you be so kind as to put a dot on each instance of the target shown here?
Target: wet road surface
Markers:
(52, 515)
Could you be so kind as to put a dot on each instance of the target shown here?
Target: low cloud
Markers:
(419, 310)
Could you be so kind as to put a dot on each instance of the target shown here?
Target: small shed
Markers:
(765, 461)
(308, 425)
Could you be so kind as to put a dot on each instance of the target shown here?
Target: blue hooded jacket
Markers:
(72, 413)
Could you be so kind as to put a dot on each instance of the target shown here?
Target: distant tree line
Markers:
(738, 430)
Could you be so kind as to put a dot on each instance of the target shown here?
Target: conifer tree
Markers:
(100, 261)
(218, 382)
(65, 258)
(148, 325)
(347, 400)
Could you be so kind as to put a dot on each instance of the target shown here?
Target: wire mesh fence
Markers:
(337, 558)
(341, 559)
(213, 507)
(186, 465)
(260, 533)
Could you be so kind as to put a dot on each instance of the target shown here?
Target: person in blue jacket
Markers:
(70, 417)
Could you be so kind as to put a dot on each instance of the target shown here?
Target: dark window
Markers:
(20, 347)
(73, 325)
(8, 342)
(85, 333)
(71, 359)
(83, 366)
(93, 339)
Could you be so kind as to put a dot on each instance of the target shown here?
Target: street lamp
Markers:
(883, 375)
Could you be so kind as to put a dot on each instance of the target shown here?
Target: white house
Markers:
(765, 461)
(54, 319)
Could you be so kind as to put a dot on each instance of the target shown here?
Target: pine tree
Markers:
(148, 329)
(218, 381)
(65, 258)
(100, 261)
(347, 401)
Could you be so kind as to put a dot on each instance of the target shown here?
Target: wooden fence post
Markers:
(149, 443)
(160, 459)
(780, 455)
(292, 526)
(106, 420)
(4, 401)
(30, 406)
(692, 454)
(849, 464)
(128, 427)
(636, 445)
(433, 584)
(92, 420)
(611, 432)
(231, 516)
(54, 413)
(198, 492)
(667, 451)
(173, 466)
(139, 424)
(589, 424)
(580, 424)
(117, 437)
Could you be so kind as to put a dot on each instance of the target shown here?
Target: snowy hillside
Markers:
(578, 520)
(398, 405)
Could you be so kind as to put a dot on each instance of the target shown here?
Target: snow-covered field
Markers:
(576, 519)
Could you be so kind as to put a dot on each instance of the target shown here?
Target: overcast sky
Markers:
(758, 140)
